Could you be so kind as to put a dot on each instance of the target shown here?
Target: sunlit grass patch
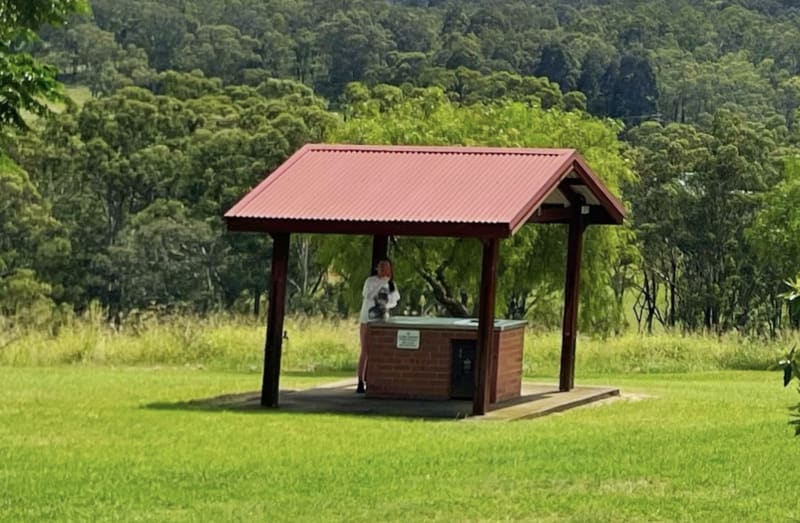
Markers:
(80, 94)
(77, 94)
(99, 443)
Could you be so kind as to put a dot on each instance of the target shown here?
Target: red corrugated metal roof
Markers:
(355, 188)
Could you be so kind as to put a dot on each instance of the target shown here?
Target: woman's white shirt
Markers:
(372, 286)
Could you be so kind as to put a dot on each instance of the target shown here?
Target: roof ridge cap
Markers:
(444, 149)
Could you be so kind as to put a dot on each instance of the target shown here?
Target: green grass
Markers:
(84, 442)
(79, 94)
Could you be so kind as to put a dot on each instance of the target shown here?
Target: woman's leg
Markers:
(362, 358)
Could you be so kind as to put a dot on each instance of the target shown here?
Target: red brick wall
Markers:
(401, 373)
(425, 373)
(509, 365)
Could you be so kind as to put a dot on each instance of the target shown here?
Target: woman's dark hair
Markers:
(374, 271)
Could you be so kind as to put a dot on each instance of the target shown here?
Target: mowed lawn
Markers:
(85, 443)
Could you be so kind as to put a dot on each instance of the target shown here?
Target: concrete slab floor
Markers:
(340, 398)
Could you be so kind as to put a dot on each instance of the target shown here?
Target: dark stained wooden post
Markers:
(570, 326)
(275, 313)
(482, 398)
(380, 249)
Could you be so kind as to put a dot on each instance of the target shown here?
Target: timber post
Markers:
(275, 315)
(483, 385)
(571, 298)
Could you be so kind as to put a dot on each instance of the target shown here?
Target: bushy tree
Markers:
(775, 234)
(32, 243)
(165, 257)
(533, 261)
(699, 193)
(26, 83)
(126, 172)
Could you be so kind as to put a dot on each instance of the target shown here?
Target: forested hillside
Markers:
(687, 109)
(673, 61)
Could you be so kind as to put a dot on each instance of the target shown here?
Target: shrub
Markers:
(791, 371)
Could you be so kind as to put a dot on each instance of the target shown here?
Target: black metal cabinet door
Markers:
(464, 367)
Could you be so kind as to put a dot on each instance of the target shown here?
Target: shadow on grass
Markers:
(338, 398)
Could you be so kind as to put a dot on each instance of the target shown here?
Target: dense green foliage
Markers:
(89, 443)
(119, 200)
(533, 260)
(677, 60)
(140, 182)
(25, 81)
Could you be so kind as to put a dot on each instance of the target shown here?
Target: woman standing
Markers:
(379, 295)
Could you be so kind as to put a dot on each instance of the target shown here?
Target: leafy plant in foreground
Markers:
(791, 370)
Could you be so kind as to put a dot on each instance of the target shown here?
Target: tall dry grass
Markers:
(318, 345)
(220, 341)
(655, 353)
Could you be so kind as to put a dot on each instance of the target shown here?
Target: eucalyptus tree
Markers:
(219, 51)
(126, 172)
(699, 193)
(355, 46)
(156, 27)
(32, 242)
(167, 258)
(667, 160)
(725, 285)
(558, 63)
(775, 237)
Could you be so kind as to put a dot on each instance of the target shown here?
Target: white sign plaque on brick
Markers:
(407, 339)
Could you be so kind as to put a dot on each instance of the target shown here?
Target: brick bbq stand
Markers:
(436, 358)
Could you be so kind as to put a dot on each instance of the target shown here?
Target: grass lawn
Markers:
(81, 443)
(80, 94)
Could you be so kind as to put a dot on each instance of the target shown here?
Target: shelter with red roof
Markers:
(477, 192)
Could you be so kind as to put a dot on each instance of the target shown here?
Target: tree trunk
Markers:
(256, 302)
(672, 277)
(443, 293)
